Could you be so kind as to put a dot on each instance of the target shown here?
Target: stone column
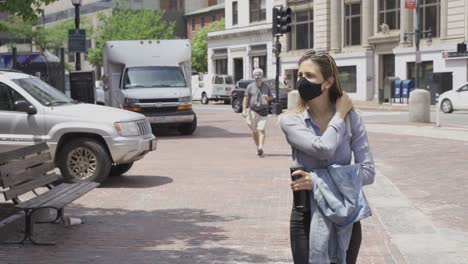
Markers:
(443, 19)
(366, 22)
(335, 25)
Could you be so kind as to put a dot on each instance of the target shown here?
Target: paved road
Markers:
(208, 198)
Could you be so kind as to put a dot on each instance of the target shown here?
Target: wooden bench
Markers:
(23, 171)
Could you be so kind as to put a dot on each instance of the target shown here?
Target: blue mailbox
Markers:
(407, 86)
(397, 91)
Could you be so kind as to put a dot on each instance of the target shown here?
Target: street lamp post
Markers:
(77, 4)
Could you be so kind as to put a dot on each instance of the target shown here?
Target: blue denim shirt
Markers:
(337, 202)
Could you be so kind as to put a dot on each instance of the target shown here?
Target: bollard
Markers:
(437, 110)
(293, 96)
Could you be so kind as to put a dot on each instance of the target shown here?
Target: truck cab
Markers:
(153, 78)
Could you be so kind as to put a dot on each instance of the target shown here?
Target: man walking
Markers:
(256, 107)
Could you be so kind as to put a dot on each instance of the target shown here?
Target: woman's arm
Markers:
(361, 149)
(304, 138)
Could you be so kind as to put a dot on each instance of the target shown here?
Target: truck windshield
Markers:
(42, 92)
(151, 77)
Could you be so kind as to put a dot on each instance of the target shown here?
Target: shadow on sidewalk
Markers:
(135, 236)
(135, 181)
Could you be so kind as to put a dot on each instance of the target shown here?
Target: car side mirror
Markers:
(201, 84)
(24, 106)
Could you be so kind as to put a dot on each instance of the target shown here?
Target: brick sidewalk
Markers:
(200, 199)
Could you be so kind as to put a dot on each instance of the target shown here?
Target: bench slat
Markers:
(66, 198)
(52, 197)
(21, 152)
(50, 194)
(29, 174)
(18, 165)
(30, 185)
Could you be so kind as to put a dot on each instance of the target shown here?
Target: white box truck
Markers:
(153, 78)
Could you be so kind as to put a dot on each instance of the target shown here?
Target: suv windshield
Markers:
(42, 92)
(151, 77)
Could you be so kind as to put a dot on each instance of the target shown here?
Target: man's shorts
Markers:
(255, 121)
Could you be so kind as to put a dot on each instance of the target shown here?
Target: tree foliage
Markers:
(128, 24)
(27, 9)
(49, 38)
(200, 47)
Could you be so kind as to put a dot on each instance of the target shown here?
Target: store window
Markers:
(347, 75)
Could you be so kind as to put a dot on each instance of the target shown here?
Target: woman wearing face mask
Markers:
(317, 133)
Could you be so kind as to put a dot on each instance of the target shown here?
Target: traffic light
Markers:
(281, 20)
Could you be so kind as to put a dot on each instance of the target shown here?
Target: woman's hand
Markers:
(303, 183)
(343, 105)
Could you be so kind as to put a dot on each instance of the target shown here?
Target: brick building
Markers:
(203, 17)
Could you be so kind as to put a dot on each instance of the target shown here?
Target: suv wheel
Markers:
(189, 128)
(119, 169)
(204, 99)
(84, 160)
(237, 105)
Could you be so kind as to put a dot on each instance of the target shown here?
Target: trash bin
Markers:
(396, 91)
(82, 86)
(407, 86)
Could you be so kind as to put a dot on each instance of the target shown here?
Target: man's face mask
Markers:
(258, 78)
(308, 90)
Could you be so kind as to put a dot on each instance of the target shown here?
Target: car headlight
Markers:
(130, 101)
(186, 99)
(127, 129)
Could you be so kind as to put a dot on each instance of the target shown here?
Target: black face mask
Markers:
(308, 90)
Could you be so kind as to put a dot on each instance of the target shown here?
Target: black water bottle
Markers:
(302, 197)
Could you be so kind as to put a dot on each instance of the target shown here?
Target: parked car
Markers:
(456, 99)
(212, 87)
(237, 95)
(87, 142)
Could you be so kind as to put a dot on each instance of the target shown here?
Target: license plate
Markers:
(153, 144)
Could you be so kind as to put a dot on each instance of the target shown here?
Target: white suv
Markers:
(87, 142)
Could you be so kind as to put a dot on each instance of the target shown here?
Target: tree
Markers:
(27, 9)
(128, 24)
(200, 47)
(50, 38)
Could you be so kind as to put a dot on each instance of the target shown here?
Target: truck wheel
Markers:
(188, 129)
(237, 105)
(204, 99)
(84, 160)
(119, 169)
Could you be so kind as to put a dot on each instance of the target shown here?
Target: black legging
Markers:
(299, 232)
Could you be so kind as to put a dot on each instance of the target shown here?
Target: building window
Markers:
(193, 24)
(221, 66)
(429, 16)
(260, 62)
(234, 13)
(213, 18)
(302, 29)
(71, 57)
(389, 13)
(347, 75)
(202, 21)
(257, 10)
(352, 24)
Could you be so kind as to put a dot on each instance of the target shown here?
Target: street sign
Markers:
(410, 4)
(418, 56)
(76, 40)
